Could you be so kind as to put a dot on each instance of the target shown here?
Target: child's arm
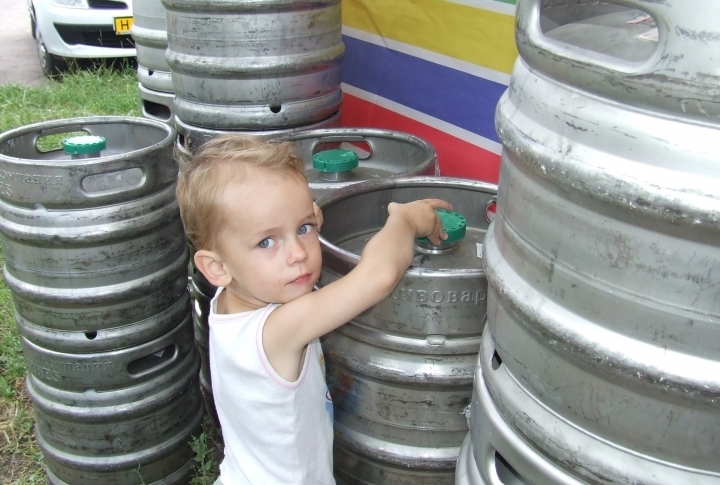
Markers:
(382, 263)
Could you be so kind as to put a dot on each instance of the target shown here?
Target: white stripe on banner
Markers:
(492, 5)
(457, 132)
(434, 57)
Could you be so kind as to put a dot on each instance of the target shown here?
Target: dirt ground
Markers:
(18, 58)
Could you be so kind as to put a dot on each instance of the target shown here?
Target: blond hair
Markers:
(204, 176)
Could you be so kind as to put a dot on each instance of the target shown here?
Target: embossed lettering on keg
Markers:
(600, 359)
(254, 65)
(115, 369)
(400, 374)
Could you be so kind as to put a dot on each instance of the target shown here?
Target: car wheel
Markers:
(51, 65)
(32, 24)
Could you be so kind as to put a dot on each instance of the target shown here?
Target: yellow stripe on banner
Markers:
(467, 33)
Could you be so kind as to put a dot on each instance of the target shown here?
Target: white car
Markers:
(80, 29)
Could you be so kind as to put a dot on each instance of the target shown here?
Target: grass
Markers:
(100, 91)
(97, 90)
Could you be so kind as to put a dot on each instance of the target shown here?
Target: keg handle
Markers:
(153, 362)
(528, 31)
(61, 129)
(56, 131)
(339, 139)
(88, 183)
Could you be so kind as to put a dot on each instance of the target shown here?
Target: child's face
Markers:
(270, 243)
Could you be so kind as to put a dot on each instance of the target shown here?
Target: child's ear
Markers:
(211, 266)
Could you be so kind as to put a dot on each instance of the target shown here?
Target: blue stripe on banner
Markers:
(450, 95)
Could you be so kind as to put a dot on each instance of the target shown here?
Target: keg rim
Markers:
(44, 126)
(401, 182)
(374, 132)
(430, 161)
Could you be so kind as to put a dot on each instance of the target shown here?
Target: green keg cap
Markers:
(337, 160)
(83, 145)
(454, 225)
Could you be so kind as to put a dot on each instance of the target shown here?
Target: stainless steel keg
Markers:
(149, 31)
(155, 87)
(400, 374)
(96, 263)
(254, 65)
(381, 154)
(203, 292)
(601, 356)
(95, 255)
(136, 434)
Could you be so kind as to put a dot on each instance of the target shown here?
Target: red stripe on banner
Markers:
(457, 158)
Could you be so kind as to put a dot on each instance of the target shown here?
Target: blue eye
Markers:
(305, 229)
(266, 243)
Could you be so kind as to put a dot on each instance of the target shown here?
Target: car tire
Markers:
(32, 25)
(51, 65)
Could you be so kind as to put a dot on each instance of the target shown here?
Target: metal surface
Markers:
(400, 374)
(95, 255)
(96, 262)
(601, 359)
(113, 369)
(254, 65)
(157, 105)
(383, 154)
(137, 434)
(203, 292)
(191, 137)
(150, 33)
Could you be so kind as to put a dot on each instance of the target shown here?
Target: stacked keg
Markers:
(401, 373)
(155, 80)
(601, 358)
(267, 68)
(96, 263)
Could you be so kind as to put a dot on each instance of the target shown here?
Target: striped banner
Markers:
(433, 68)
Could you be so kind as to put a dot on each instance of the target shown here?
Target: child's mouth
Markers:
(303, 279)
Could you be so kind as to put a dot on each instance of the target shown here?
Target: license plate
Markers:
(123, 25)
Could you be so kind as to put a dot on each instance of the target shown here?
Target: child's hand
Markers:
(421, 215)
(318, 216)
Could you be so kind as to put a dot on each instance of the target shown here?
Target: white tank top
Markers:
(275, 431)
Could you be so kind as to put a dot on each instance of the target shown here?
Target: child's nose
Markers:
(297, 251)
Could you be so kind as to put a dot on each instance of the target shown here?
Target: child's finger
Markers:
(439, 204)
(437, 235)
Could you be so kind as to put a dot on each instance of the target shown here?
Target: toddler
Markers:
(248, 211)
